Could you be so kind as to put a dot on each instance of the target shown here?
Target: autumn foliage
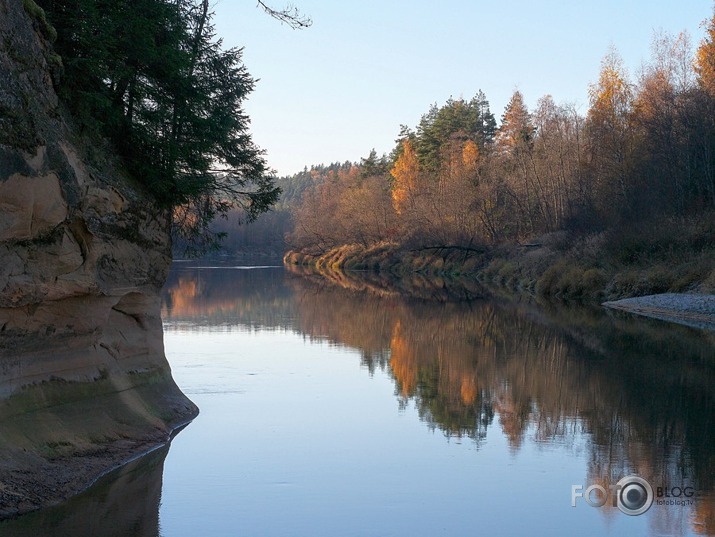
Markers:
(405, 174)
(643, 152)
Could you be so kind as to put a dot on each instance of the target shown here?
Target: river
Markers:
(336, 410)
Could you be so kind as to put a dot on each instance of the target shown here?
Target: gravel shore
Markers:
(693, 310)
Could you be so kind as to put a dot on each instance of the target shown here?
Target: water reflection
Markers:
(227, 297)
(613, 394)
(637, 395)
(123, 503)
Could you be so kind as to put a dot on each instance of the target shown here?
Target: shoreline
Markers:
(555, 279)
(93, 467)
(33, 478)
(688, 309)
(592, 268)
(133, 456)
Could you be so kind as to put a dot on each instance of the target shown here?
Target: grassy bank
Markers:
(667, 256)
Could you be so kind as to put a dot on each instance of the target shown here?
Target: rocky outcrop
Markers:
(83, 256)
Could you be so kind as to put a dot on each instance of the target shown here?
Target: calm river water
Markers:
(333, 410)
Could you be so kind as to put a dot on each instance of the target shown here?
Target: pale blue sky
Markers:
(343, 86)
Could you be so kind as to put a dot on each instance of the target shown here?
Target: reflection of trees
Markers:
(226, 296)
(402, 362)
(704, 516)
(642, 393)
(433, 369)
(639, 393)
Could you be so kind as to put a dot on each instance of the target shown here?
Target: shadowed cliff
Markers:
(84, 383)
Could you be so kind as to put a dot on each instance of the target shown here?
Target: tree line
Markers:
(644, 151)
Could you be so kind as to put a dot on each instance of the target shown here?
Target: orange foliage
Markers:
(516, 129)
(705, 59)
(611, 97)
(468, 389)
(402, 361)
(187, 298)
(405, 172)
(470, 156)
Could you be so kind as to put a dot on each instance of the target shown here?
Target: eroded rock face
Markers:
(83, 256)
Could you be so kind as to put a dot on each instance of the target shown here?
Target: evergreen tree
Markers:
(373, 166)
(457, 119)
(152, 76)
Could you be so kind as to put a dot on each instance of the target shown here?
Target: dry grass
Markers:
(673, 256)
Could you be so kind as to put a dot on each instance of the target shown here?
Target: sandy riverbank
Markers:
(693, 310)
(48, 455)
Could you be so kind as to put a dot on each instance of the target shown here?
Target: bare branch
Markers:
(290, 15)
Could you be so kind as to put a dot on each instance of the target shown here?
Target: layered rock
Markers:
(83, 256)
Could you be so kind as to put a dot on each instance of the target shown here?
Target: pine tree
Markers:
(457, 119)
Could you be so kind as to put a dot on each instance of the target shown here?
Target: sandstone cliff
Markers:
(84, 383)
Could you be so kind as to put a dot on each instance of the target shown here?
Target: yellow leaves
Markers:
(470, 156)
(611, 97)
(406, 173)
(705, 60)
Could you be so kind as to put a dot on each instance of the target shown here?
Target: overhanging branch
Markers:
(290, 15)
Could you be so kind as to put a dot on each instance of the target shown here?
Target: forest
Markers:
(631, 181)
(643, 152)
